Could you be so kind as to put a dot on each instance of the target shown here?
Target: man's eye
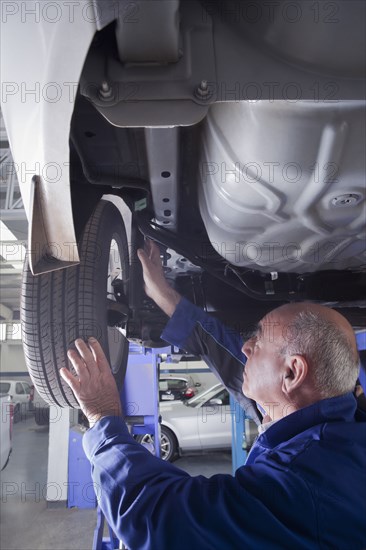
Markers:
(249, 334)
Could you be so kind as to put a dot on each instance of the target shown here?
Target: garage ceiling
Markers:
(13, 232)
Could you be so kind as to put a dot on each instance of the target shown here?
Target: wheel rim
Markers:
(165, 444)
(165, 447)
(116, 334)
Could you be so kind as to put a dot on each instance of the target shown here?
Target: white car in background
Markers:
(200, 424)
(6, 428)
(22, 393)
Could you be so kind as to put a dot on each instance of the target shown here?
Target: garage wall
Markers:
(12, 362)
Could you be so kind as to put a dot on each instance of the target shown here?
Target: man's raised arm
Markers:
(156, 286)
(192, 329)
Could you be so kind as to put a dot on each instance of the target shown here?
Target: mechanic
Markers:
(303, 485)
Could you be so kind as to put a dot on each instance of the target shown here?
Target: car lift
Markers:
(140, 401)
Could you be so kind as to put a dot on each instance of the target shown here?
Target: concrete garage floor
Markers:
(25, 521)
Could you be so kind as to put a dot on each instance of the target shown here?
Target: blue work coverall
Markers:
(303, 486)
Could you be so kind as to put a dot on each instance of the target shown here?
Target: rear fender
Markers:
(42, 59)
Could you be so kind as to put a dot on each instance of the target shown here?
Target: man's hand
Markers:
(94, 386)
(156, 286)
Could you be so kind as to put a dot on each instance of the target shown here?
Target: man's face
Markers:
(265, 366)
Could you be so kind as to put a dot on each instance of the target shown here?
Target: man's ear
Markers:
(295, 373)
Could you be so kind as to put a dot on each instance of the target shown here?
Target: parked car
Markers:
(6, 428)
(22, 393)
(177, 388)
(218, 129)
(200, 424)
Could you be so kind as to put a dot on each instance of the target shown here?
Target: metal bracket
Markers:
(156, 94)
(148, 31)
(162, 147)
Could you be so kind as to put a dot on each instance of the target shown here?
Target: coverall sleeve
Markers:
(152, 505)
(197, 332)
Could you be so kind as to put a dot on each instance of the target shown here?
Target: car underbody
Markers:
(234, 134)
(262, 198)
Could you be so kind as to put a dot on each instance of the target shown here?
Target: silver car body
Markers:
(200, 424)
(6, 429)
(20, 390)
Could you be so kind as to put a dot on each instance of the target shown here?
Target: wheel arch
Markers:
(173, 431)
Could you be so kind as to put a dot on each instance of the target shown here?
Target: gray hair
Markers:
(334, 364)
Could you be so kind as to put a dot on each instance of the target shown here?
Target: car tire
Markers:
(17, 413)
(42, 416)
(7, 461)
(168, 443)
(59, 306)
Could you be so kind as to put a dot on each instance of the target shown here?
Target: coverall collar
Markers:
(334, 409)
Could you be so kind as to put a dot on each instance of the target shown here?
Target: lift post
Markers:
(140, 404)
